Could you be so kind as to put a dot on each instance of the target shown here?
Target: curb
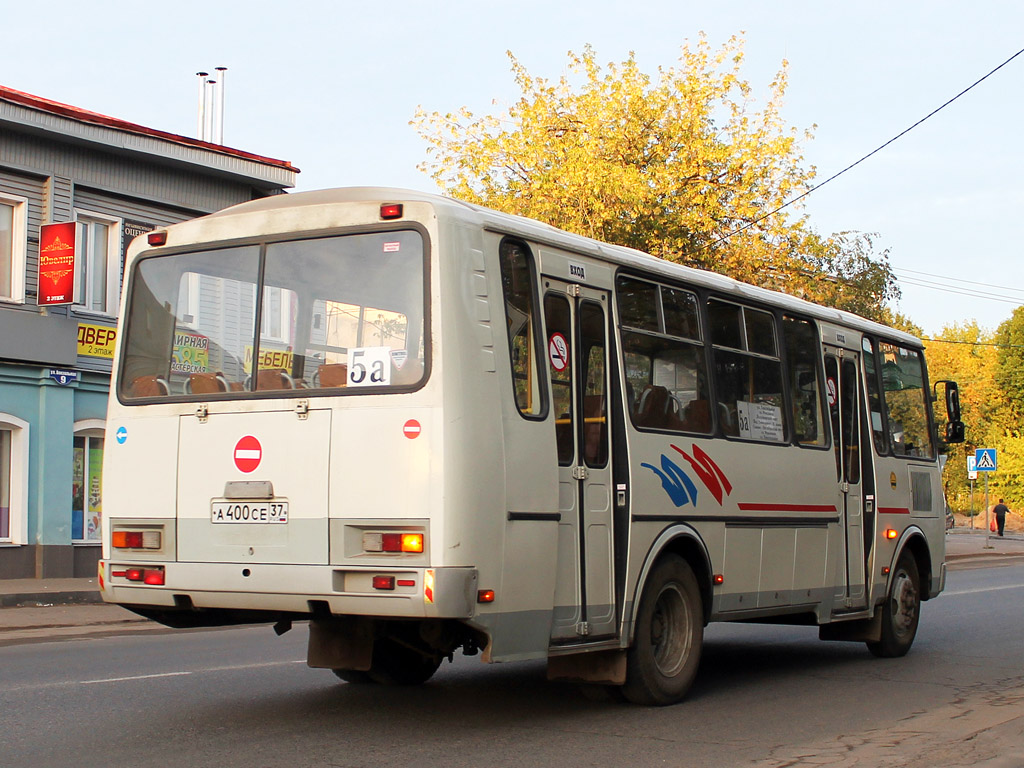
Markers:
(46, 599)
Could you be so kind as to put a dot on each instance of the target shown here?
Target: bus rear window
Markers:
(337, 314)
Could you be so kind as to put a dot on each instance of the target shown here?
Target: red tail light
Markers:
(410, 543)
(151, 576)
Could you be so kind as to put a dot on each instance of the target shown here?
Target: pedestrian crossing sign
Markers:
(985, 460)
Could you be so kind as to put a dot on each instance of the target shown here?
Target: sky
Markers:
(332, 86)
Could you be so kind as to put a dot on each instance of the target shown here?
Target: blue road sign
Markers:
(985, 460)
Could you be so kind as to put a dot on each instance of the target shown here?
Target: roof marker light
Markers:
(158, 237)
(391, 211)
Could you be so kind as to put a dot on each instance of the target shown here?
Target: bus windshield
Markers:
(343, 314)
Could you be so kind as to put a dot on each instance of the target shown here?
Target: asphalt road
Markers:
(767, 696)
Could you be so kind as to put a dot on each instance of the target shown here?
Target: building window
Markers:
(13, 479)
(87, 482)
(13, 211)
(97, 263)
(188, 300)
(278, 318)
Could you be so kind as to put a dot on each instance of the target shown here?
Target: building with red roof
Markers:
(103, 181)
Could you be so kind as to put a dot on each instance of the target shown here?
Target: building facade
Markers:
(109, 181)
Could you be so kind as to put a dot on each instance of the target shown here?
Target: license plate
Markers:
(249, 512)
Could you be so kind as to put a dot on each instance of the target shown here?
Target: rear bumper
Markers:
(419, 593)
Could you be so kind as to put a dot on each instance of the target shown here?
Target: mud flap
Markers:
(341, 643)
(857, 631)
(605, 667)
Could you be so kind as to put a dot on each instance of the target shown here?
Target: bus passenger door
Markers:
(576, 320)
(844, 399)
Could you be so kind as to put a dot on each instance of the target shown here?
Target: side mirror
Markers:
(952, 401)
(954, 426)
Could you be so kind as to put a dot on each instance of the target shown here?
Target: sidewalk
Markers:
(964, 543)
(49, 609)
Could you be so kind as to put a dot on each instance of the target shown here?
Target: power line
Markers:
(975, 343)
(835, 176)
(963, 291)
(955, 279)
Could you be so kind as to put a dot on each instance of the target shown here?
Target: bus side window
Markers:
(874, 398)
(804, 380)
(666, 376)
(517, 285)
(558, 317)
(748, 372)
(906, 407)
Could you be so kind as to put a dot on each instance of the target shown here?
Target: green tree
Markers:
(683, 166)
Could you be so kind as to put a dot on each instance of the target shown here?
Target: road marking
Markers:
(135, 677)
(228, 668)
(982, 589)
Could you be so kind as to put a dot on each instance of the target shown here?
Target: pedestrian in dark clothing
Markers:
(1001, 510)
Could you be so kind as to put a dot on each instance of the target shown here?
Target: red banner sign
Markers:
(56, 263)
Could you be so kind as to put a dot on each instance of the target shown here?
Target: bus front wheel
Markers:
(901, 610)
(669, 635)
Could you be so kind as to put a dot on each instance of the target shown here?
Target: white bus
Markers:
(425, 426)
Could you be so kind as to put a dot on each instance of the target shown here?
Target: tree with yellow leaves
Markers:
(682, 166)
(966, 354)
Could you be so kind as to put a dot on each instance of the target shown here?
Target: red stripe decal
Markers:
(894, 510)
(788, 507)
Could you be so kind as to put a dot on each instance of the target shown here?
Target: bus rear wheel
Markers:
(354, 676)
(901, 611)
(396, 663)
(663, 660)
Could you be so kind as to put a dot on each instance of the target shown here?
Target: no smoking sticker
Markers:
(830, 390)
(558, 352)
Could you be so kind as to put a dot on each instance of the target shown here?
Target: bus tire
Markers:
(354, 676)
(901, 611)
(395, 663)
(662, 662)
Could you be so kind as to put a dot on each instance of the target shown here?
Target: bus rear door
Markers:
(576, 319)
(253, 486)
(844, 399)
